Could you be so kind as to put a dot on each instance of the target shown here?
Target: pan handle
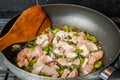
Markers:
(112, 72)
(115, 75)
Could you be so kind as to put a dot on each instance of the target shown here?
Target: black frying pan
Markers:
(81, 17)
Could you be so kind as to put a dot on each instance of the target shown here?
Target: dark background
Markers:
(110, 8)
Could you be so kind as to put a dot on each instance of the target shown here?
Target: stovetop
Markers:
(9, 8)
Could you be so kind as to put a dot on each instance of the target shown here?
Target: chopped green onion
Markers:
(32, 62)
(46, 49)
(59, 56)
(59, 71)
(73, 29)
(66, 28)
(73, 67)
(32, 49)
(61, 66)
(29, 69)
(44, 32)
(68, 37)
(50, 47)
(71, 43)
(78, 51)
(71, 59)
(88, 36)
(49, 28)
(50, 52)
(32, 43)
(76, 34)
(98, 64)
(24, 56)
(43, 74)
(55, 30)
(81, 61)
(91, 37)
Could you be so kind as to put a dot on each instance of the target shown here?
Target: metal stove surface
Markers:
(5, 74)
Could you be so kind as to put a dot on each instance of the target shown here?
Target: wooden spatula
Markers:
(26, 27)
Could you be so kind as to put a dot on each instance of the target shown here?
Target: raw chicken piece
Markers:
(40, 63)
(49, 71)
(85, 49)
(64, 61)
(88, 65)
(82, 36)
(87, 68)
(72, 34)
(70, 54)
(74, 73)
(62, 34)
(63, 44)
(55, 41)
(41, 39)
(98, 55)
(70, 51)
(24, 57)
(38, 52)
(95, 56)
(44, 39)
(76, 62)
(92, 60)
(73, 37)
(65, 73)
(92, 46)
(55, 66)
(42, 60)
(37, 69)
(58, 51)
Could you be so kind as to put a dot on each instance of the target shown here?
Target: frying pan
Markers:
(85, 19)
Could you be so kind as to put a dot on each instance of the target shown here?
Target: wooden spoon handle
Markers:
(5, 42)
